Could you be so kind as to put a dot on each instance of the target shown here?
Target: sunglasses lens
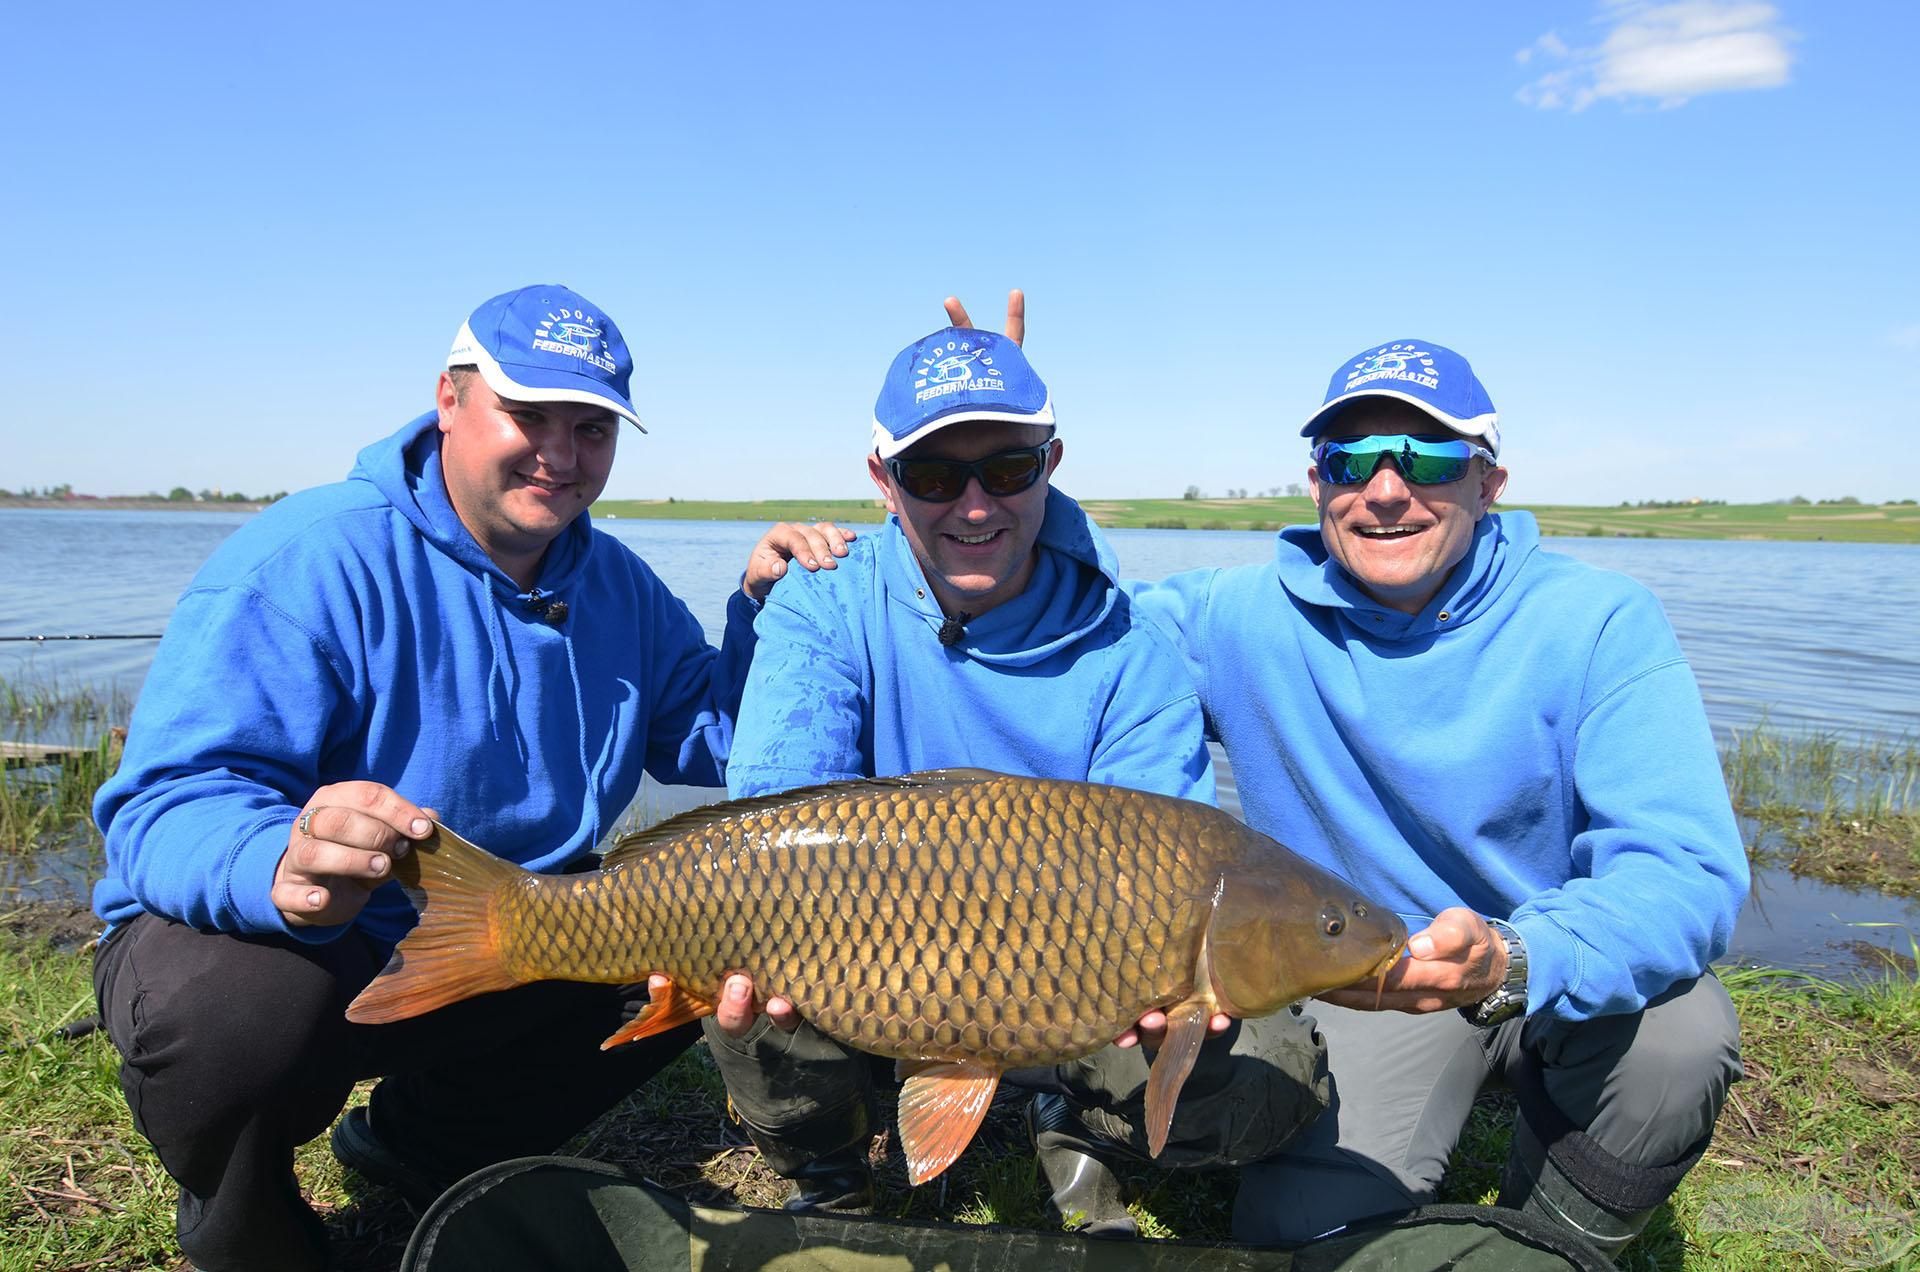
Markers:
(932, 480)
(1431, 470)
(1343, 467)
(1011, 473)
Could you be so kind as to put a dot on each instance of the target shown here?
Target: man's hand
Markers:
(739, 1006)
(1016, 315)
(813, 546)
(341, 848)
(1457, 960)
(1151, 1029)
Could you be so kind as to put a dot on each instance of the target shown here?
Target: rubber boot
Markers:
(1086, 1193)
(837, 1184)
(1533, 1183)
(825, 1157)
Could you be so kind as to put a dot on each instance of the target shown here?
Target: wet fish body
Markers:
(961, 922)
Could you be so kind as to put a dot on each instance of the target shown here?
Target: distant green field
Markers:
(1835, 523)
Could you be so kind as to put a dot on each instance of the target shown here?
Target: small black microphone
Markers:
(954, 628)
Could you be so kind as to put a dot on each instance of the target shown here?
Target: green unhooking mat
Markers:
(563, 1213)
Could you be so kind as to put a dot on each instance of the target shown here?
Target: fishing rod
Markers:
(91, 636)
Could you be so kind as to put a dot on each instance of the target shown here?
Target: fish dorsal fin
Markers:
(941, 1106)
(641, 843)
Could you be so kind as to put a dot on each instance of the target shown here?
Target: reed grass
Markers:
(1846, 811)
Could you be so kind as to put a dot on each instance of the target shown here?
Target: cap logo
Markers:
(575, 333)
(1394, 362)
(948, 369)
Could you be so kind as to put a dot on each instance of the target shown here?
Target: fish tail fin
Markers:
(455, 952)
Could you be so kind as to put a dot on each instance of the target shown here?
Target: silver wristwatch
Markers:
(1509, 998)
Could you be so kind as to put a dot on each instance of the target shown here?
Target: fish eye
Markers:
(1331, 923)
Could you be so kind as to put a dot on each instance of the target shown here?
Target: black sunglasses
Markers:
(1000, 474)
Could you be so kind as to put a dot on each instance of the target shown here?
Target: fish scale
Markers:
(968, 949)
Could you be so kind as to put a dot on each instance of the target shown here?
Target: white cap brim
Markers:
(1485, 427)
(468, 351)
(886, 445)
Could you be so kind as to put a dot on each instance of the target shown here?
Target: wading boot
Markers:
(838, 1184)
(1533, 1182)
(1086, 1193)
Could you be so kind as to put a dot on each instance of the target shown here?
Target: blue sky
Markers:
(1676, 240)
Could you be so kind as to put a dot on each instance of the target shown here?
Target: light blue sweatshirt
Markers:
(850, 679)
(357, 631)
(1531, 745)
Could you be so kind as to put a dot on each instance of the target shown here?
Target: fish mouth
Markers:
(1385, 965)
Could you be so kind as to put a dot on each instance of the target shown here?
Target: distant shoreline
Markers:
(1831, 523)
(132, 503)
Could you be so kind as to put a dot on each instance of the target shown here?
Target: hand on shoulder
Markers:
(813, 545)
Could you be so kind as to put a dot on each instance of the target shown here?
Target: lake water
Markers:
(1805, 636)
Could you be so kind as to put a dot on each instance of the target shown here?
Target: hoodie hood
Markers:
(1074, 588)
(405, 468)
(1502, 542)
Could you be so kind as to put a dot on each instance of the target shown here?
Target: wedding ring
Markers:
(305, 824)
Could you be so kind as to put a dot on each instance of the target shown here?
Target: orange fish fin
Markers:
(454, 952)
(941, 1106)
(1186, 1030)
(666, 1009)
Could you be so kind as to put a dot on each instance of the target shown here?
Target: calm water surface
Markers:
(1807, 636)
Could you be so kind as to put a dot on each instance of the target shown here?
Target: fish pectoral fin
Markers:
(1186, 1030)
(666, 1009)
(941, 1107)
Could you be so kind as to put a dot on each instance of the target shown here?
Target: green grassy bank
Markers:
(1811, 1165)
(1833, 523)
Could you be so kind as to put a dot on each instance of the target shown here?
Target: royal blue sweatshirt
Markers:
(1531, 745)
(357, 631)
(850, 679)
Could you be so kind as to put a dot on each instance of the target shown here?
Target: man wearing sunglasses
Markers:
(1507, 746)
(982, 627)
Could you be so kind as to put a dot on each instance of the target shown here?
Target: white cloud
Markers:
(1666, 53)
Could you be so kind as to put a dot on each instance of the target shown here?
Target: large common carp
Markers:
(961, 922)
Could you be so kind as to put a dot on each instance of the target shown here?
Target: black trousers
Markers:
(236, 1050)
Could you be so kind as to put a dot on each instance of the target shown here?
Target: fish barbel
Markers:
(961, 922)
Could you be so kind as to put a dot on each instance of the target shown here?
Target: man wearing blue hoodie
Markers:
(1508, 747)
(443, 634)
(983, 627)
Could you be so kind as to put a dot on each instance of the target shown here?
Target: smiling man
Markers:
(983, 627)
(444, 633)
(1507, 746)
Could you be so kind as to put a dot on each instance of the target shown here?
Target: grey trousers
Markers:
(1646, 1086)
(804, 1096)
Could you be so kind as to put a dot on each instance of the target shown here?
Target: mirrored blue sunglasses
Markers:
(1422, 461)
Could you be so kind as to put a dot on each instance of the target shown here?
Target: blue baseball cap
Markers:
(548, 343)
(1435, 379)
(956, 374)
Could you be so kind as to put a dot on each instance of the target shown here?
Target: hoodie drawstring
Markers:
(496, 678)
